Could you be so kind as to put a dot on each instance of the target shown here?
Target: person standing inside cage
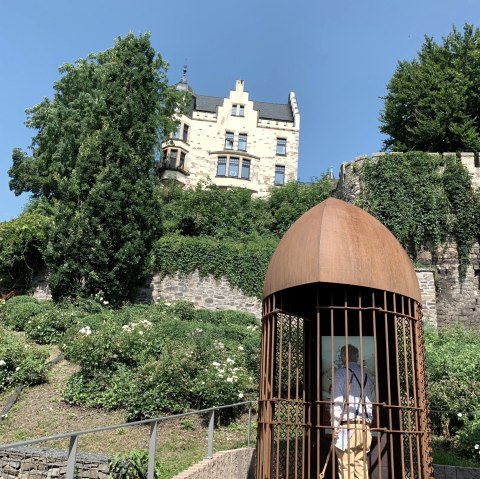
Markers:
(352, 415)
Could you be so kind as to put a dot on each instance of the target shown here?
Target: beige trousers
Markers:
(352, 463)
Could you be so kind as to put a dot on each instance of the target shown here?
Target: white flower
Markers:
(215, 364)
(105, 302)
(17, 368)
(140, 332)
(2, 362)
(240, 395)
(459, 414)
(240, 348)
(86, 330)
(477, 446)
(230, 361)
(229, 380)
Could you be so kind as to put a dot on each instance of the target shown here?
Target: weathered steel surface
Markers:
(336, 242)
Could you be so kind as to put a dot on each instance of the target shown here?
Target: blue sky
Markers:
(337, 55)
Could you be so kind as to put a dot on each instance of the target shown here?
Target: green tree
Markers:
(94, 159)
(432, 101)
(288, 203)
(21, 243)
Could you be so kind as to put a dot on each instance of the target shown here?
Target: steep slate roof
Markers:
(268, 111)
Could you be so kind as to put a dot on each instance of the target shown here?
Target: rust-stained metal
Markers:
(336, 242)
(304, 323)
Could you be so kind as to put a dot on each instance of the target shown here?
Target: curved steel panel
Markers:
(336, 242)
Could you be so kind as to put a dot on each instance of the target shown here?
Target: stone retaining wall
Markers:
(234, 464)
(37, 463)
(456, 301)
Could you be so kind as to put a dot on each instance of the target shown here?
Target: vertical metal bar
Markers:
(413, 339)
(279, 368)
(318, 391)
(377, 393)
(273, 336)
(399, 387)
(389, 389)
(151, 449)
(289, 382)
(211, 424)
(362, 385)
(347, 370)
(249, 430)
(332, 359)
(407, 387)
(72, 454)
(297, 398)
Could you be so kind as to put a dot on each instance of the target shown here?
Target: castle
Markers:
(233, 142)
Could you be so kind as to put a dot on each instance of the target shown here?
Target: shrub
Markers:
(49, 326)
(20, 363)
(18, 310)
(107, 389)
(131, 465)
(150, 361)
(468, 438)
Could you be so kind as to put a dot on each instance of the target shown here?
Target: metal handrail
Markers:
(72, 448)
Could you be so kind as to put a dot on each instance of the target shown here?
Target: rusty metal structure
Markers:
(340, 277)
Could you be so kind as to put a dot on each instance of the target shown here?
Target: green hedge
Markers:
(243, 264)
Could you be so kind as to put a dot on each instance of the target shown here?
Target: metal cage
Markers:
(303, 329)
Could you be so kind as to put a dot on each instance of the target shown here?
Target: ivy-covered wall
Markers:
(430, 202)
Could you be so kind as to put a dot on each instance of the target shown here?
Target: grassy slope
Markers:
(40, 412)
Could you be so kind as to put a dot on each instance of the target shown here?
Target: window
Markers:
(172, 159)
(279, 174)
(176, 133)
(242, 142)
(238, 110)
(281, 146)
(185, 133)
(181, 165)
(222, 166)
(233, 166)
(245, 169)
(229, 137)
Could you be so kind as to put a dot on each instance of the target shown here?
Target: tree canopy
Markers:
(93, 159)
(432, 102)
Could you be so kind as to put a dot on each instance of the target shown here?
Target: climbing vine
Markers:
(423, 199)
(243, 264)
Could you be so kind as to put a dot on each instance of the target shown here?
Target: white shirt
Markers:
(353, 409)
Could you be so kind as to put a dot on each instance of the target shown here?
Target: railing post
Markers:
(210, 434)
(72, 454)
(152, 443)
(249, 425)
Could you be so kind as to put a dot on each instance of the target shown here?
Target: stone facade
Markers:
(37, 463)
(456, 302)
(234, 142)
(426, 281)
(204, 292)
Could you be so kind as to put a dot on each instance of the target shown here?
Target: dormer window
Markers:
(238, 110)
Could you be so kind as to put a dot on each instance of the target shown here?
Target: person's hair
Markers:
(352, 353)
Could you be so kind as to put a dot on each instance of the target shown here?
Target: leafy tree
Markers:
(288, 203)
(432, 101)
(93, 158)
(209, 210)
(21, 242)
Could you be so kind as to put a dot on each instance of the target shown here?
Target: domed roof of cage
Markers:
(336, 242)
